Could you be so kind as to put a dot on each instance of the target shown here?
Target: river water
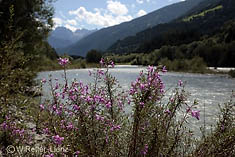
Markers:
(209, 90)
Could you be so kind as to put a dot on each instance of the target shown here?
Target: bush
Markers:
(15, 83)
(232, 73)
(220, 141)
(93, 56)
(101, 119)
(195, 64)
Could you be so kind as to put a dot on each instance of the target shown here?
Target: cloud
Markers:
(140, 1)
(72, 28)
(114, 14)
(141, 13)
(117, 8)
(72, 22)
(57, 21)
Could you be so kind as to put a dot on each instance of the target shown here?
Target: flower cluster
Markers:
(63, 61)
(57, 139)
(13, 129)
(95, 115)
(106, 63)
(194, 113)
(149, 87)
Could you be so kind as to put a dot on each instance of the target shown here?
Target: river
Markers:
(209, 89)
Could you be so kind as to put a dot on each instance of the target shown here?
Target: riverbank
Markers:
(84, 65)
(195, 67)
(73, 64)
(220, 69)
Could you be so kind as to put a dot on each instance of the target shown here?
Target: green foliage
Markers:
(93, 56)
(34, 20)
(232, 73)
(179, 32)
(195, 64)
(215, 51)
(23, 26)
(221, 140)
(15, 84)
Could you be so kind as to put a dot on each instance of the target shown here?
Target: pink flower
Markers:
(76, 107)
(100, 72)
(168, 111)
(112, 64)
(46, 131)
(162, 91)
(117, 127)
(57, 95)
(195, 114)
(42, 107)
(89, 72)
(102, 61)
(57, 139)
(99, 118)
(145, 150)
(164, 69)
(50, 155)
(63, 61)
(43, 80)
(150, 69)
(222, 127)
(70, 126)
(4, 125)
(142, 86)
(108, 105)
(34, 129)
(54, 107)
(141, 104)
(57, 86)
(180, 83)
(77, 153)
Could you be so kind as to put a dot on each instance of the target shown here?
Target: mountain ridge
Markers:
(180, 31)
(62, 37)
(104, 38)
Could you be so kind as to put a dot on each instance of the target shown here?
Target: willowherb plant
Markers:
(221, 140)
(90, 118)
(94, 119)
(156, 131)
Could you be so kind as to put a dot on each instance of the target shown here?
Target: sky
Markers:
(96, 14)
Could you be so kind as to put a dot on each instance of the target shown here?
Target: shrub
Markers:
(102, 119)
(94, 119)
(220, 141)
(232, 73)
(93, 56)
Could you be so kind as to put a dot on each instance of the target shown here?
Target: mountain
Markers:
(62, 37)
(204, 19)
(104, 38)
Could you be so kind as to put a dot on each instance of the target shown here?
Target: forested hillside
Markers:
(205, 19)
